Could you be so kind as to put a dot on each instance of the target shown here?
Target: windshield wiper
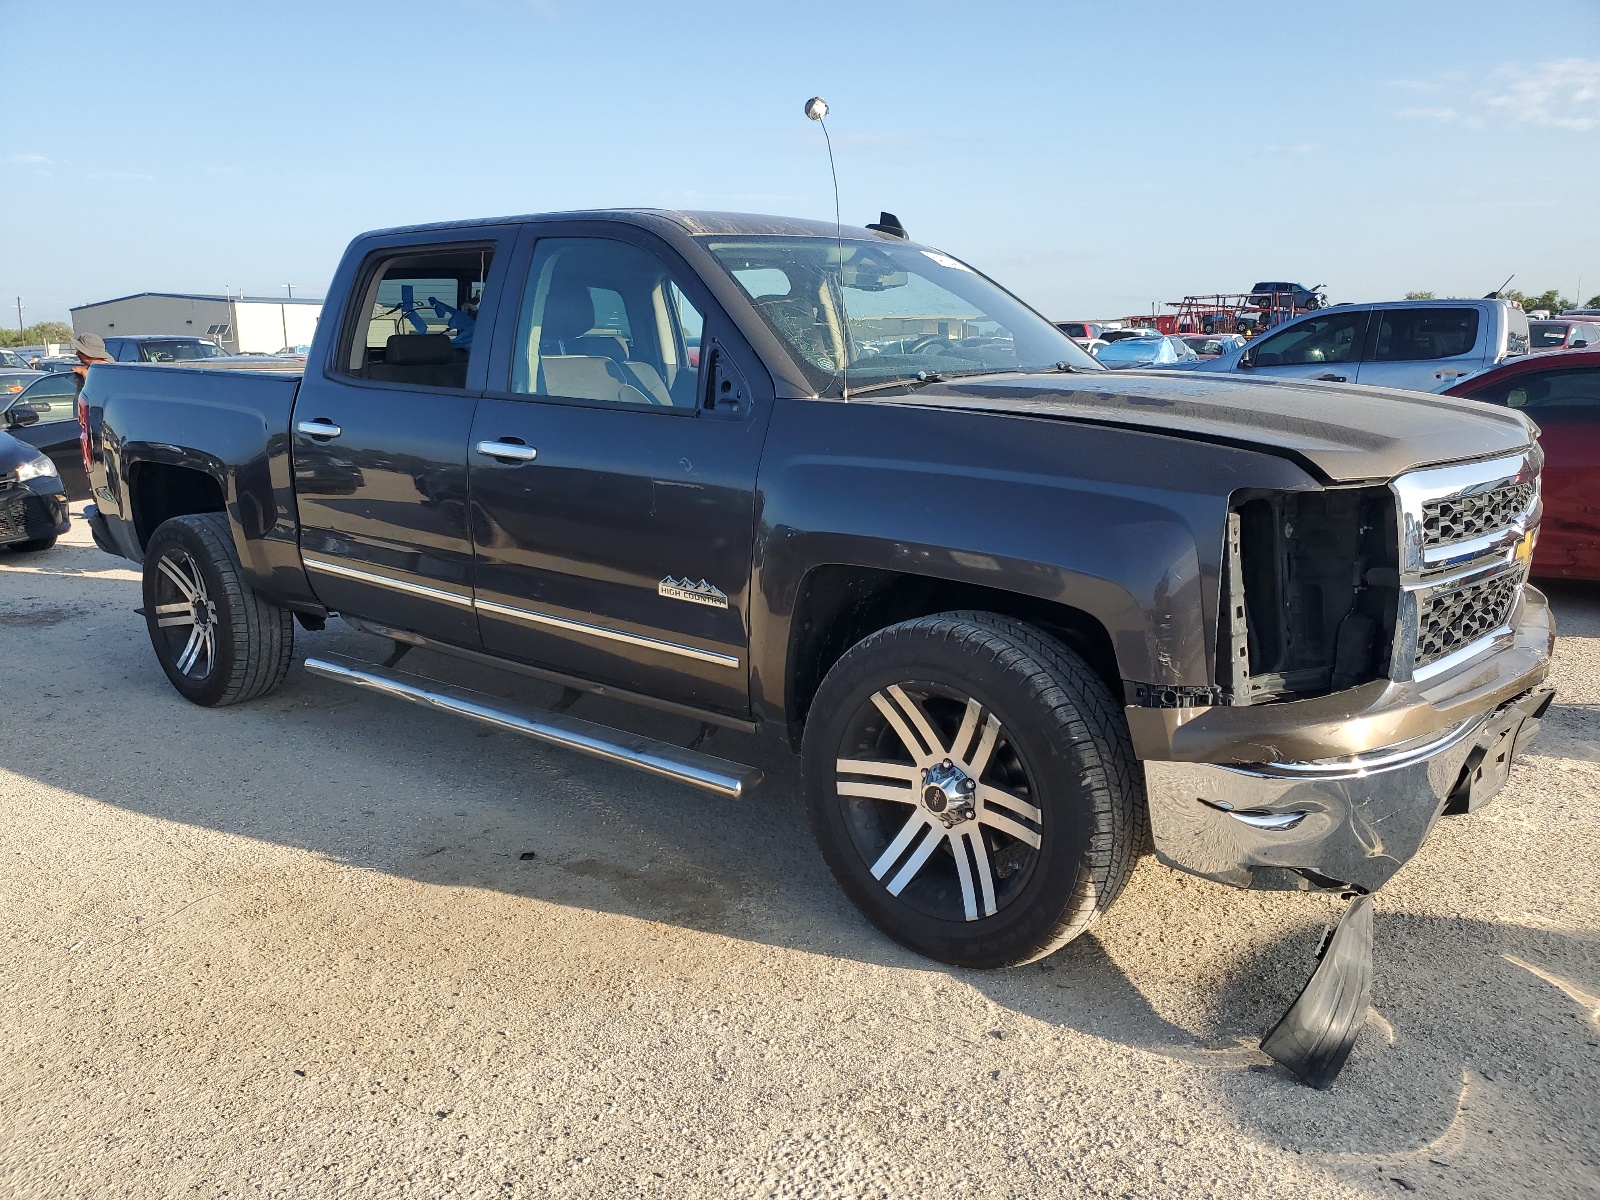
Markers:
(911, 381)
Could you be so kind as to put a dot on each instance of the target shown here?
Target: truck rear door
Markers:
(1424, 348)
(613, 500)
(380, 433)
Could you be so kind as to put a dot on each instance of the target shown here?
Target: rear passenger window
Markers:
(1414, 334)
(605, 320)
(417, 318)
(1546, 390)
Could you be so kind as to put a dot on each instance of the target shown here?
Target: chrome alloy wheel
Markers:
(939, 796)
(185, 611)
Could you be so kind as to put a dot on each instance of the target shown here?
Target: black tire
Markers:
(32, 545)
(217, 640)
(1057, 801)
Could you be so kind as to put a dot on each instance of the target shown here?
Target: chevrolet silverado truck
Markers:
(1023, 619)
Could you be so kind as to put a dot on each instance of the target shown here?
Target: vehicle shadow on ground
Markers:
(387, 786)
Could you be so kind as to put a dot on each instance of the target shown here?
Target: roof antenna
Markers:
(1495, 295)
(816, 109)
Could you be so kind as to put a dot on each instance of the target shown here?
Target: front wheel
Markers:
(973, 789)
(217, 640)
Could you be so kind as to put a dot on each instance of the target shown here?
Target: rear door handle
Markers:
(507, 450)
(320, 427)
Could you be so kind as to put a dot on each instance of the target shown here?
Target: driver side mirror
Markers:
(19, 416)
(1579, 344)
(1248, 358)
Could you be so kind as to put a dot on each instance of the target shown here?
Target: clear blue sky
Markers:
(1094, 157)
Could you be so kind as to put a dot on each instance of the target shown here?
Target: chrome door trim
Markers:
(399, 585)
(601, 631)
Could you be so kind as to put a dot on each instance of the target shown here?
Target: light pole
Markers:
(19, 314)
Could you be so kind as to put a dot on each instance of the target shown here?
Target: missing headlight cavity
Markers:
(1309, 592)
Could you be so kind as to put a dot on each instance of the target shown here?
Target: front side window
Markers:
(1331, 338)
(605, 320)
(873, 312)
(416, 318)
(1416, 334)
(1546, 389)
(54, 399)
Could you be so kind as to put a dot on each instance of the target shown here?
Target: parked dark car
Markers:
(33, 507)
(1545, 336)
(1560, 391)
(44, 415)
(162, 348)
(1021, 617)
(1291, 297)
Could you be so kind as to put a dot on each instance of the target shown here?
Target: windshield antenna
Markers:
(816, 109)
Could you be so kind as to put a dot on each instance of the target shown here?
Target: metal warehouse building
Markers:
(239, 324)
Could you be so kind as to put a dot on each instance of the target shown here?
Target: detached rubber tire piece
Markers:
(984, 849)
(217, 640)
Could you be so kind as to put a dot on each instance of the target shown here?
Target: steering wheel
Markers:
(928, 344)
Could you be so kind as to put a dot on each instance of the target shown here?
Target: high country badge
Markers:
(694, 593)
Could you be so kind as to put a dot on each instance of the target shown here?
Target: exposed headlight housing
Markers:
(1309, 592)
(37, 467)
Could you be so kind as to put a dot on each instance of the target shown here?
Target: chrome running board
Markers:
(705, 771)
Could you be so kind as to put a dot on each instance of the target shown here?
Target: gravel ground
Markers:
(300, 948)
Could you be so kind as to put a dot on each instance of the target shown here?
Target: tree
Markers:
(36, 335)
(1419, 295)
(1593, 301)
(1551, 300)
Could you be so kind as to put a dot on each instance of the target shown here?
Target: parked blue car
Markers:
(1146, 352)
(1418, 344)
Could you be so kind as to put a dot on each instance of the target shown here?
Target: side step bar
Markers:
(718, 775)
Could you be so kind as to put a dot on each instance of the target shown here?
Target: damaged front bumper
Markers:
(1348, 821)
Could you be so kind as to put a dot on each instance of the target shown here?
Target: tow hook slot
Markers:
(1313, 1038)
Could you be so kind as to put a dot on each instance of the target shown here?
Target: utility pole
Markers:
(290, 286)
(19, 314)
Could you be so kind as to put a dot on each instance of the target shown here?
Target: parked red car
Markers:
(1560, 391)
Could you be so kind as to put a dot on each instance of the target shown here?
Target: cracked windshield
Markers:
(880, 314)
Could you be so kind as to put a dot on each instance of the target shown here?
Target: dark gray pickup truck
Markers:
(1024, 619)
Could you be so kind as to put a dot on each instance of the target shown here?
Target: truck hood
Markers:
(1341, 433)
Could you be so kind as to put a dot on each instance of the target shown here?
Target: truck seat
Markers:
(425, 359)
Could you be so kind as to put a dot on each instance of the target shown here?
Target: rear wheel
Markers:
(972, 787)
(217, 640)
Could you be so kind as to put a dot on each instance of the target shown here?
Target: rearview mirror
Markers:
(20, 415)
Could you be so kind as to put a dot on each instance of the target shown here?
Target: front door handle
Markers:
(507, 450)
(1331, 378)
(319, 427)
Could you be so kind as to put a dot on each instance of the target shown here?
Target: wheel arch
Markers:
(838, 604)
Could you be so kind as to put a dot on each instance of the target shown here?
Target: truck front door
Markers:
(380, 439)
(613, 474)
(1325, 346)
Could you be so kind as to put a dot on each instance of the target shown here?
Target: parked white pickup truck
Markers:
(1423, 345)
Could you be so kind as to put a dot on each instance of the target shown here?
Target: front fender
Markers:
(1123, 525)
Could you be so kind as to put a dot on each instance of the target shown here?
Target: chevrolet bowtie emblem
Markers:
(694, 593)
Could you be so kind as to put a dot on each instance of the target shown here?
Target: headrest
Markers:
(419, 350)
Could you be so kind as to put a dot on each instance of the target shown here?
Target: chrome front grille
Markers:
(1448, 621)
(1453, 519)
(1465, 536)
